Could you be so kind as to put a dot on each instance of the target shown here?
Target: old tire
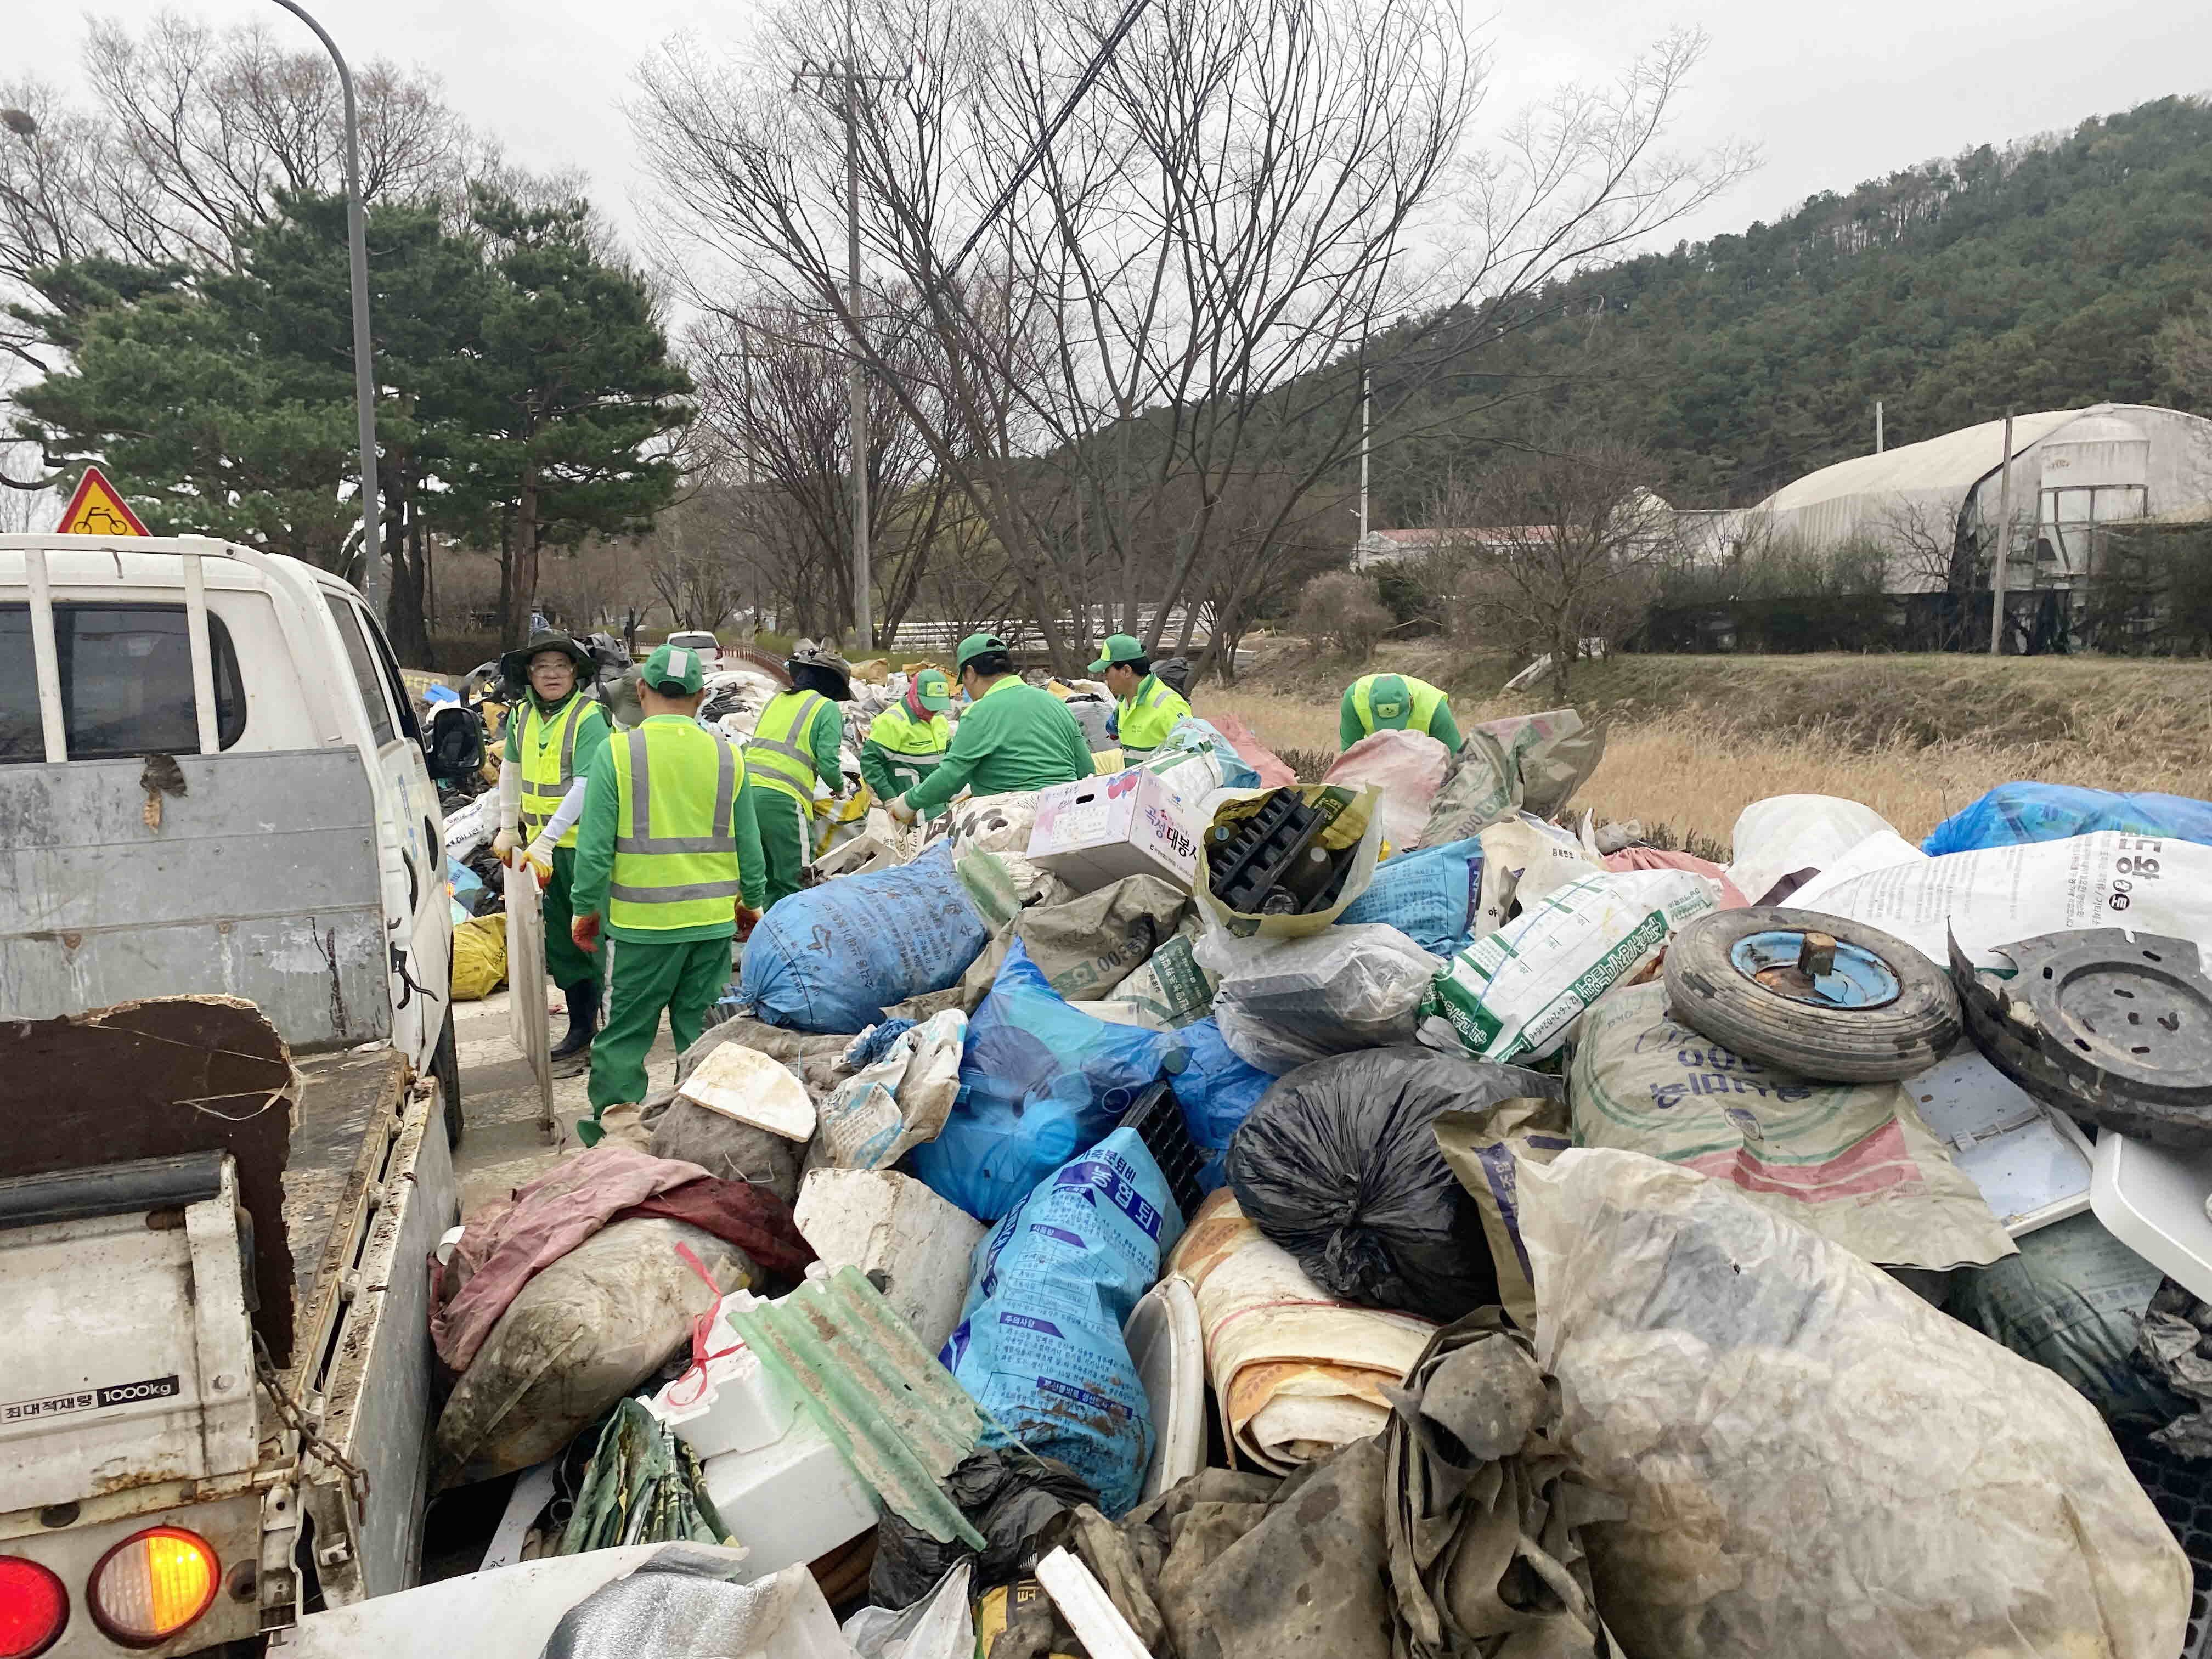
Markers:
(445, 1066)
(1906, 1017)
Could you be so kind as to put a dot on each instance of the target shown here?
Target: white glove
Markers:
(540, 856)
(503, 846)
(898, 809)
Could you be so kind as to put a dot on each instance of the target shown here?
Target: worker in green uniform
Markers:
(668, 870)
(553, 743)
(1146, 707)
(908, 739)
(1012, 737)
(1394, 702)
(794, 743)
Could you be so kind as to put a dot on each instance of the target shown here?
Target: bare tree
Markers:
(773, 394)
(1563, 546)
(1190, 222)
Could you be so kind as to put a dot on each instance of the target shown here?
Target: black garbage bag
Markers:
(1007, 1495)
(1338, 1164)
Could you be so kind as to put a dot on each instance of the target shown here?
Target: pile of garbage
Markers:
(1186, 1215)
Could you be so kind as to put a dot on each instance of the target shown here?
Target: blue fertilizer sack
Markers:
(1432, 896)
(1192, 733)
(1039, 1082)
(2013, 813)
(1216, 1090)
(832, 957)
(1039, 1343)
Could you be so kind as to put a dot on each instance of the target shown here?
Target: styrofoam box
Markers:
(914, 1245)
(1100, 829)
(791, 1500)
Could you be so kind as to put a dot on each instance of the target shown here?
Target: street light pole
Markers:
(364, 367)
(863, 576)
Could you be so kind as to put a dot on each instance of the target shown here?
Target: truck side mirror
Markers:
(452, 743)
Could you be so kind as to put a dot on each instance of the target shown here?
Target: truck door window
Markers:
(373, 696)
(126, 674)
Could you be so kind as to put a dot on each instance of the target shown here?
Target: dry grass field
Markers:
(1693, 740)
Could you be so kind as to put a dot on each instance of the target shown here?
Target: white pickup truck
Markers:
(227, 1068)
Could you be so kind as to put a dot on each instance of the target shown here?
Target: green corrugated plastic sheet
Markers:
(864, 1378)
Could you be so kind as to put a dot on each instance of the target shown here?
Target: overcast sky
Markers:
(1830, 93)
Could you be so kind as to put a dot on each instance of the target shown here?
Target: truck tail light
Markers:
(33, 1608)
(153, 1585)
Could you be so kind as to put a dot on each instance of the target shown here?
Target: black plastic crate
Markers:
(1156, 1117)
(2181, 1491)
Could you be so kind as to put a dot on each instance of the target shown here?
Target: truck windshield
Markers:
(126, 674)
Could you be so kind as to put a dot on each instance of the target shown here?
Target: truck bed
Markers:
(339, 1150)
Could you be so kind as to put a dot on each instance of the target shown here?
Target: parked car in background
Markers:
(709, 648)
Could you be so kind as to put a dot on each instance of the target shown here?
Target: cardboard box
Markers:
(1101, 830)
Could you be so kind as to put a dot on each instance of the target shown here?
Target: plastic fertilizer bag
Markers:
(2016, 812)
(1191, 733)
(1039, 1082)
(1408, 768)
(1815, 1462)
(1854, 1161)
(2073, 1299)
(2001, 894)
(1786, 836)
(832, 957)
(1517, 993)
(479, 956)
(1338, 1164)
(1286, 1005)
(1039, 1343)
(1216, 1090)
(885, 1109)
(1171, 986)
(1433, 896)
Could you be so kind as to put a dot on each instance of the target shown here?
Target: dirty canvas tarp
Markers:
(1717, 1362)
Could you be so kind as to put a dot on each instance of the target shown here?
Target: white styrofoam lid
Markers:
(744, 1083)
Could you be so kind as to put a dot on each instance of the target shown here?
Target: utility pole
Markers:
(2004, 546)
(1366, 407)
(856, 377)
(856, 373)
(1877, 425)
(364, 367)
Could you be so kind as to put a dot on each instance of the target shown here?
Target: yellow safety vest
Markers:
(1146, 717)
(1427, 699)
(547, 767)
(676, 855)
(778, 753)
(919, 745)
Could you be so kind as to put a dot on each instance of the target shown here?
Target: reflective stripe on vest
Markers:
(676, 857)
(544, 788)
(920, 742)
(774, 754)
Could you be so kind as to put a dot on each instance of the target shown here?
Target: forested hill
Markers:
(2032, 276)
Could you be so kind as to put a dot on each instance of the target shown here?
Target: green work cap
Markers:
(1389, 701)
(674, 665)
(975, 646)
(932, 689)
(1119, 647)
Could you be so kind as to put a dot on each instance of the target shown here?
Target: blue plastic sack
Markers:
(1431, 896)
(1192, 733)
(832, 957)
(1039, 1343)
(1039, 1082)
(1216, 1090)
(463, 884)
(2013, 813)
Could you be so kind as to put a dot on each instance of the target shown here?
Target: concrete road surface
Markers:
(506, 1142)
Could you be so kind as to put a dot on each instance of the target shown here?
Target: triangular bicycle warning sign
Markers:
(98, 509)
